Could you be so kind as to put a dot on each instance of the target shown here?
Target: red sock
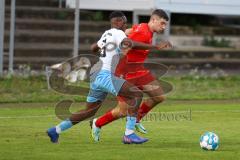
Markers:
(105, 119)
(142, 111)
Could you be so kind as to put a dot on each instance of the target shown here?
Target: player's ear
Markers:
(155, 19)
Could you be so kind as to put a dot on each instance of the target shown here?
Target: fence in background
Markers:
(12, 33)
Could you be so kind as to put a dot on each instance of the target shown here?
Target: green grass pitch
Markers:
(23, 126)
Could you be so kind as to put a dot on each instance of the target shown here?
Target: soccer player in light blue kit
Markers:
(103, 81)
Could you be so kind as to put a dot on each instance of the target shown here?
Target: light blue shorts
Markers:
(102, 83)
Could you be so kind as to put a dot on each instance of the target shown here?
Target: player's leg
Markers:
(132, 97)
(149, 85)
(128, 95)
(89, 111)
(96, 124)
(153, 90)
(121, 110)
(124, 110)
(156, 95)
(74, 119)
(94, 101)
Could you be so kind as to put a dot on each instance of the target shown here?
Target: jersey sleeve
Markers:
(138, 34)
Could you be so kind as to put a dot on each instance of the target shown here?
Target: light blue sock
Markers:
(64, 125)
(130, 126)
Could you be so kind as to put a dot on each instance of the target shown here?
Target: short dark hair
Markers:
(115, 14)
(161, 13)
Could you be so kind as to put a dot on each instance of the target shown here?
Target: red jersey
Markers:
(131, 65)
(140, 33)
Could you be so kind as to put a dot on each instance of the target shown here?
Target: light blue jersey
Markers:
(103, 80)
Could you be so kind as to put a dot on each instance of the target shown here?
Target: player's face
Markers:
(159, 24)
(122, 23)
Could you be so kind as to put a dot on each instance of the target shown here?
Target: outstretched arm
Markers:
(128, 43)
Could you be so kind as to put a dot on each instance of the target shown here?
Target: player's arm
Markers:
(97, 46)
(94, 48)
(144, 46)
(128, 43)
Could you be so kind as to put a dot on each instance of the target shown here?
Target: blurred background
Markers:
(205, 33)
(35, 34)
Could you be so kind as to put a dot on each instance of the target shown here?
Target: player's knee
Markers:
(119, 112)
(159, 99)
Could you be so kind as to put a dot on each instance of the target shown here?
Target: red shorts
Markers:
(139, 79)
(135, 73)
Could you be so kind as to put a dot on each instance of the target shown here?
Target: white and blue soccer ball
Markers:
(209, 141)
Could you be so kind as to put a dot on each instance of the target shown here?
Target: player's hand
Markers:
(164, 45)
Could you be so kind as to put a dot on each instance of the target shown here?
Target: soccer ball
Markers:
(209, 141)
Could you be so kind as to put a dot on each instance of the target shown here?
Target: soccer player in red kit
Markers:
(131, 68)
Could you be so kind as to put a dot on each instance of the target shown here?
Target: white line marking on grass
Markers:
(217, 111)
(54, 116)
(26, 117)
